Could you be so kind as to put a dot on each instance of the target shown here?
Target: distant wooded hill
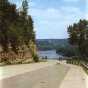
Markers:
(49, 44)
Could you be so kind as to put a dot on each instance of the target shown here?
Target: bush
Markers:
(36, 58)
(6, 60)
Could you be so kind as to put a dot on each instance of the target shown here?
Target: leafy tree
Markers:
(7, 16)
(27, 24)
(78, 36)
(16, 28)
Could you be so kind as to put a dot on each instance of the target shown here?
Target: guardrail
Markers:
(85, 67)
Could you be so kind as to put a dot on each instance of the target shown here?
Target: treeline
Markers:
(16, 27)
(50, 44)
(78, 39)
(78, 36)
(67, 51)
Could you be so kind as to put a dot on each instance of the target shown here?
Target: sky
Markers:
(52, 17)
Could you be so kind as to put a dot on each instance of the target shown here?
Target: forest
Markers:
(17, 35)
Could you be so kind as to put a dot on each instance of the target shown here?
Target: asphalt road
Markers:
(47, 77)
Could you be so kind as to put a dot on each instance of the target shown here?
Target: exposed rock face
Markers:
(12, 58)
(23, 56)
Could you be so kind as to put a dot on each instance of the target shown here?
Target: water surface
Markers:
(50, 54)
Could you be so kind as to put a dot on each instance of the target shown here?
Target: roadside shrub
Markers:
(36, 58)
(6, 60)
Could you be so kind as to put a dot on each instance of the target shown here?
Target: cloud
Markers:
(44, 14)
(54, 14)
(32, 4)
(87, 9)
(71, 1)
(53, 22)
(70, 9)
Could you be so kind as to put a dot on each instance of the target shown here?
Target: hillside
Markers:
(48, 44)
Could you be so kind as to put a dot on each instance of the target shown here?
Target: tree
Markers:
(16, 28)
(25, 7)
(78, 36)
(27, 24)
(7, 16)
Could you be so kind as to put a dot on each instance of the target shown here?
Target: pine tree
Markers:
(78, 35)
(7, 16)
(28, 32)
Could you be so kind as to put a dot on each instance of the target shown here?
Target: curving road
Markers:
(49, 76)
(42, 75)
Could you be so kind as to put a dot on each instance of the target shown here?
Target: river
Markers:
(50, 54)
